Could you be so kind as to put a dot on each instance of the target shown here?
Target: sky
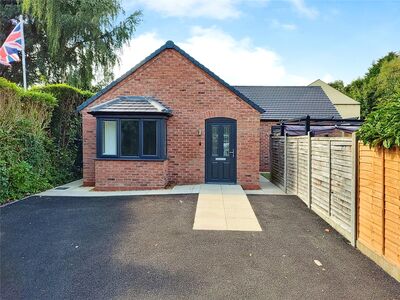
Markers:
(269, 42)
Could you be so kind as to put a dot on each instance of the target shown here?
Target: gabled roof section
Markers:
(170, 45)
(131, 104)
(290, 102)
(336, 96)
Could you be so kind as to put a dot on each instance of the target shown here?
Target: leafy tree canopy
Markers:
(388, 81)
(382, 126)
(74, 41)
(381, 84)
(339, 85)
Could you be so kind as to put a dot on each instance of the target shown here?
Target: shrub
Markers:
(27, 96)
(382, 126)
(24, 161)
(40, 138)
(66, 129)
(17, 104)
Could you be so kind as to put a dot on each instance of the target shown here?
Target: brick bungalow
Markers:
(171, 120)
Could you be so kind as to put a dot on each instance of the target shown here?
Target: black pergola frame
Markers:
(307, 122)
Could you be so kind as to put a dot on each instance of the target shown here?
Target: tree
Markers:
(379, 85)
(338, 84)
(388, 80)
(36, 60)
(382, 127)
(74, 41)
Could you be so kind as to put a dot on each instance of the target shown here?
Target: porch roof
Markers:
(131, 104)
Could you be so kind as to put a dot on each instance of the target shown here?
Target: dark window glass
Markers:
(149, 137)
(227, 130)
(214, 139)
(132, 138)
(129, 138)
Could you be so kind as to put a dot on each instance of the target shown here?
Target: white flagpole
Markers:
(21, 20)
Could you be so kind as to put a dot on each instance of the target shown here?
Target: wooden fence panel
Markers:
(302, 172)
(291, 169)
(371, 206)
(379, 207)
(320, 176)
(277, 161)
(341, 183)
(329, 184)
(392, 206)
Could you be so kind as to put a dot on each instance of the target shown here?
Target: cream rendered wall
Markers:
(346, 106)
(348, 110)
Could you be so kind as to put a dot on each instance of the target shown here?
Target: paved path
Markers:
(224, 207)
(266, 188)
(75, 189)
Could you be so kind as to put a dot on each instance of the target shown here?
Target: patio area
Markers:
(76, 189)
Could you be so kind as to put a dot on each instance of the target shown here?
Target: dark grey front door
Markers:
(221, 150)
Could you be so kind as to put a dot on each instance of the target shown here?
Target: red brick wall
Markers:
(112, 175)
(89, 147)
(265, 131)
(193, 97)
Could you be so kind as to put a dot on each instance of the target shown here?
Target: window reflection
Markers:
(227, 131)
(214, 140)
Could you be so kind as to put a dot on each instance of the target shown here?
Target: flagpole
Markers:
(21, 20)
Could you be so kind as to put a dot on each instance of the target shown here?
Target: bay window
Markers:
(131, 138)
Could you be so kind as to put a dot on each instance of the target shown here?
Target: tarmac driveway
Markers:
(144, 247)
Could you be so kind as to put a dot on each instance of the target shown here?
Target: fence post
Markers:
(285, 163)
(354, 161)
(307, 124)
(282, 129)
(309, 182)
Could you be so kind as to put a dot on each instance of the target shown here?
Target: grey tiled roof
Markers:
(290, 102)
(131, 104)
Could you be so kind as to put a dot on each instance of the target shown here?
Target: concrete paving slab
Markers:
(243, 224)
(267, 188)
(235, 213)
(76, 189)
(210, 224)
(224, 207)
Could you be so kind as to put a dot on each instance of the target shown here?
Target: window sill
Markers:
(134, 159)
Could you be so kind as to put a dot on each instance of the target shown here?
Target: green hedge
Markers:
(24, 161)
(40, 138)
(66, 129)
(382, 127)
(26, 96)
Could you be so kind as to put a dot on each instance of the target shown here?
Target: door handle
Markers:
(233, 153)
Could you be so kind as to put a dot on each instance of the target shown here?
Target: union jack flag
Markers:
(10, 48)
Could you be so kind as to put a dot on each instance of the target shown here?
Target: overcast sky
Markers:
(269, 42)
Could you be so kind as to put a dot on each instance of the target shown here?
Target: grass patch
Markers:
(266, 175)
